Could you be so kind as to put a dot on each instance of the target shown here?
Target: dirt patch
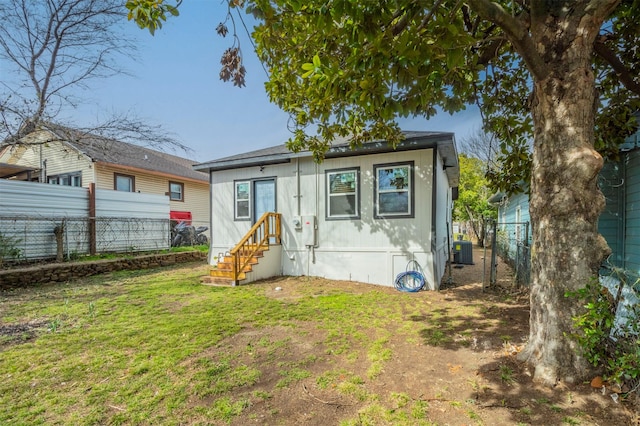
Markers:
(452, 378)
(21, 332)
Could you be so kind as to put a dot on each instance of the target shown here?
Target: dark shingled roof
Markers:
(444, 142)
(111, 151)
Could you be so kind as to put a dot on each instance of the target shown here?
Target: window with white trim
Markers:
(66, 179)
(176, 191)
(394, 191)
(242, 195)
(343, 193)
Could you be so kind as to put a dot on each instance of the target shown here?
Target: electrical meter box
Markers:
(308, 230)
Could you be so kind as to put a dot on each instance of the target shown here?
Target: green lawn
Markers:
(159, 348)
(140, 347)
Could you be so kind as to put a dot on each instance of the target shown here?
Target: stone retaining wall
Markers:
(61, 272)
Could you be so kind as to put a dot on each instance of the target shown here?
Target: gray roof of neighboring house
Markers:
(111, 151)
(497, 198)
(444, 142)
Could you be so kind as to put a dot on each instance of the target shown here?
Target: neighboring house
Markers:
(619, 223)
(360, 215)
(513, 234)
(513, 222)
(63, 156)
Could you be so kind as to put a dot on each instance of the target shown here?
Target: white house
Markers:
(360, 215)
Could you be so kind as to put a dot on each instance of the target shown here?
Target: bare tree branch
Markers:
(56, 47)
(481, 145)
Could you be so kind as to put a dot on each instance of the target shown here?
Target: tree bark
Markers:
(565, 202)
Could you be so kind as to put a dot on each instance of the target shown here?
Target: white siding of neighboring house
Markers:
(60, 158)
(367, 250)
(196, 194)
(196, 200)
(632, 213)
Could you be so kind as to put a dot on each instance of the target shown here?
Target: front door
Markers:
(264, 198)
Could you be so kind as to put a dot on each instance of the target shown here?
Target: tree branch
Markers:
(626, 78)
(517, 31)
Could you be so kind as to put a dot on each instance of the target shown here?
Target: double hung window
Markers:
(125, 183)
(343, 193)
(242, 195)
(176, 191)
(66, 179)
(394, 190)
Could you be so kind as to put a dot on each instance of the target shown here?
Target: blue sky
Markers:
(175, 83)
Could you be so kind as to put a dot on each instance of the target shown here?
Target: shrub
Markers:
(608, 329)
(9, 248)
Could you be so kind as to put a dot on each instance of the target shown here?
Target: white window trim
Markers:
(356, 193)
(236, 200)
(131, 179)
(71, 177)
(181, 192)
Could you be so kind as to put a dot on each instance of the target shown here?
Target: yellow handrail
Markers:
(257, 239)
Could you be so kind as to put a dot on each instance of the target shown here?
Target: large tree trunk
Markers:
(565, 203)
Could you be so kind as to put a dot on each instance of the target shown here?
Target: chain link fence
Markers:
(511, 242)
(30, 238)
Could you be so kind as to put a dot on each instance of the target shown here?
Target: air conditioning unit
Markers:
(463, 252)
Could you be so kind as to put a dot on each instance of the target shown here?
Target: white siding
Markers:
(442, 235)
(366, 249)
(270, 265)
(53, 158)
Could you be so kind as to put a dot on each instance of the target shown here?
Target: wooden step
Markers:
(256, 255)
(217, 273)
(217, 281)
(222, 273)
(222, 278)
(224, 266)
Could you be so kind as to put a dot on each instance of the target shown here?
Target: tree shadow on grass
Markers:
(489, 329)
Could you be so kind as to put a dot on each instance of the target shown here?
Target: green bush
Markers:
(9, 248)
(614, 347)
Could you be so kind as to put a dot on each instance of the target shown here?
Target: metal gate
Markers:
(509, 243)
